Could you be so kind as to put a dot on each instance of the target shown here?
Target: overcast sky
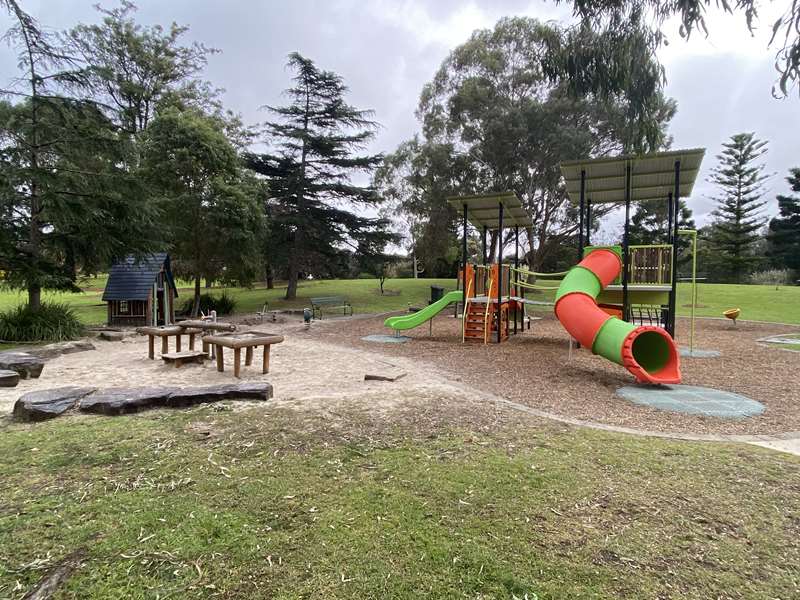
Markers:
(386, 50)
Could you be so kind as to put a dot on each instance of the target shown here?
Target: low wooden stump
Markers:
(238, 340)
(181, 358)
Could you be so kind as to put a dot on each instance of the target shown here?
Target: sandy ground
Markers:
(536, 369)
(324, 366)
(303, 372)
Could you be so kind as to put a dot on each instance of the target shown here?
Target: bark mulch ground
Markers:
(535, 369)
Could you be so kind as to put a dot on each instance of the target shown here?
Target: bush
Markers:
(51, 322)
(223, 304)
(772, 277)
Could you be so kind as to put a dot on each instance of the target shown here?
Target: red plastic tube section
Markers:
(648, 352)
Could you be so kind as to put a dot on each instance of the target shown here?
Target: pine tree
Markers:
(784, 231)
(66, 200)
(740, 178)
(314, 154)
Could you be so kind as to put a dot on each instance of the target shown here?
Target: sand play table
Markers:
(238, 340)
(166, 332)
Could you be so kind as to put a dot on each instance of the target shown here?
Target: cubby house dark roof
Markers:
(130, 279)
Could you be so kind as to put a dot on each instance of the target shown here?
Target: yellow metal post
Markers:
(693, 233)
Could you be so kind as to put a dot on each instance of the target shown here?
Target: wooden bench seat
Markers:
(181, 358)
(330, 302)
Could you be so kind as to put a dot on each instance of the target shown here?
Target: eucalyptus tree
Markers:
(132, 69)
(612, 17)
(316, 146)
(508, 118)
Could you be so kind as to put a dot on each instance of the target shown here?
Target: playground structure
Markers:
(637, 303)
(618, 301)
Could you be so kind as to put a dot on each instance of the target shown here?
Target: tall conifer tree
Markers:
(313, 156)
(740, 178)
(784, 230)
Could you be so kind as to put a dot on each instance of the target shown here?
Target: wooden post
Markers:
(191, 341)
(237, 357)
(248, 356)
(265, 367)
(164, 344)
(220, 362)
(151, 346)
(178, 342)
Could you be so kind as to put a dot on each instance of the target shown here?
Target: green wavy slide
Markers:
(426, 314)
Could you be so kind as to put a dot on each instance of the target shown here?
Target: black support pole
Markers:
(626, 242)
(464, 259)
(499, 271)
(588, 221)
(483, 246)
(516, 274)
(580, 214)
(670, 212)
(673, 294)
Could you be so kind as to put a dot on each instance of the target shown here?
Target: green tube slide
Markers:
(648, 352)
(416, 319)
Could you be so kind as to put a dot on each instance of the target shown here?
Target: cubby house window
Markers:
(123, 307)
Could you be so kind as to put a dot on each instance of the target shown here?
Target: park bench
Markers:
(331, 302)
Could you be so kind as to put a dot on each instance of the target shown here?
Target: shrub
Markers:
(772, 277)
(51, 322)
(224, 304)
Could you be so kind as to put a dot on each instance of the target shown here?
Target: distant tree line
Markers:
(112, 143)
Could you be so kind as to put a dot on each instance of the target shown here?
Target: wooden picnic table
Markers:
(166, 332)
(238, 340)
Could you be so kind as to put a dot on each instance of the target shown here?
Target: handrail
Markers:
(464, 313)
(486, 313)
(532, 286)
(537, 274)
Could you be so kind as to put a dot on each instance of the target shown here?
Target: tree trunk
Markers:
(34, 295)
(196, 304)
(293, 267)
(291, 286)
(270, 278)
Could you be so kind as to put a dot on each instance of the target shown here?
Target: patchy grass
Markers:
(793, 343)
(758, 302)
(276, 504)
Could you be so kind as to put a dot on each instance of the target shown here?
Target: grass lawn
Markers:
(758, 302)
(274, 504)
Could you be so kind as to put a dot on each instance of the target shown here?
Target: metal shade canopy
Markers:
(483, 210)
(652, 176)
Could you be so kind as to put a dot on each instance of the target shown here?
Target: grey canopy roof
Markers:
(652, 175)
(483, 210)
(130, 279)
